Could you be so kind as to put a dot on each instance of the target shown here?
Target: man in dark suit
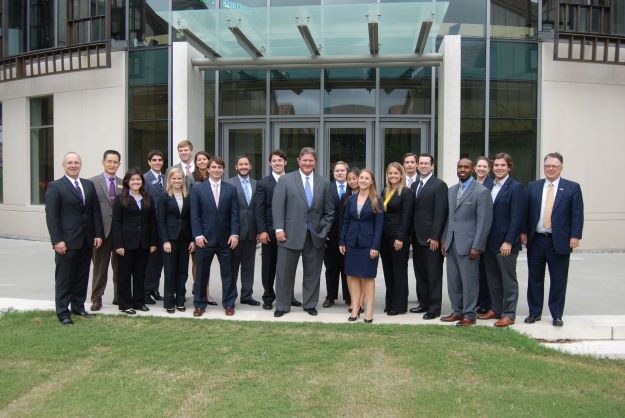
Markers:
(75, 226)
(264, 226)
(302, 216)
(468, 224)
(215, 226)
(554, 228)
(244, 256)
(108, 187)
(430, 215)
(332, 258)
(155, 184)
(410, 162)
(504, 243)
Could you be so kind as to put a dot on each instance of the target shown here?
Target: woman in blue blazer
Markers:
(174, 230)
(360, 242)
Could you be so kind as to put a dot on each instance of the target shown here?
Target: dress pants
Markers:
(154, 269)
(312, 258)
(502, 282)
(395, 267)
(483, 298)
(130, 284)
(176, 266)
(204, 258)
(335, 269)
(463, 279)
(428, 268)
(269, 257)
(71, 279)
(243, 257)
(101, 258)
(540, 252)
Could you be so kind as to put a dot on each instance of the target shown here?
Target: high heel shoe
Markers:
(352, 318)
(368, 321)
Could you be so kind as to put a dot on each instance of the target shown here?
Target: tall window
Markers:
(1, 160)
(41, 147)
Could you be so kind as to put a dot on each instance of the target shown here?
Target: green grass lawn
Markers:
(120, 366)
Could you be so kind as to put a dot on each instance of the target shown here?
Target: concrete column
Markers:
(449, 109)
(187, 98)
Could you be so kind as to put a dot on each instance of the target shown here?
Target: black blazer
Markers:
(509, 216)
(133, 228)
(398, 215)
(262, 203)
(430, 211)
(68, 219)
(172, 223)
(339, 211)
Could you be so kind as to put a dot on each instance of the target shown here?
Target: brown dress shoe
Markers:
(452, 318)
(465, 322)
(488, 315)
(96, 305)
(504, 322)
(229, 311)
(198, 312)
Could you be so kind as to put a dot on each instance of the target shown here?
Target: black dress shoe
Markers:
(481, 311)
(328, 303)
(278, 313)
(129, 312)
(156, 295)
(212, 303)
(84, 314)
(532, 318)
(311, 311)
(418, 309)
(149, 300)
(557, 322)
(66, 321)
(296, 302)
(391, 312)
(267, 306)
(144, 308)
(251, 302)
(430, 315)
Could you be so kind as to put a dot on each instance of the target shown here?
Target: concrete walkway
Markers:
(594, 314)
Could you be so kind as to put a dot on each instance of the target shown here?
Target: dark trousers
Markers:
(243, 257)
(395, 266)
(154, 269)
(502, 282)
(176, 266)
(269, 257)
(101, 258)
(335, 267)
(483, 298)
(204, 258)
(71, 278)
(132, 267)
(428, 269)
(541, 253)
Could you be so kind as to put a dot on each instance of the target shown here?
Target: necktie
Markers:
(549, 206)
(308, 191)
(419, 187)
(160, 182)
(460, 193)
(410, 181)
(79, 190)
(341, 191)
(216, 194)
(112, 189)
(187, 170)
(247, 190)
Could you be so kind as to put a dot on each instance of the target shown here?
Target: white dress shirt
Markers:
(497, 187)
(540, 227)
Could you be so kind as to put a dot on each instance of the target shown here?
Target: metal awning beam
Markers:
(424, 32)
(198, 44)
(309, 40)
(374, 40)
(245, 42)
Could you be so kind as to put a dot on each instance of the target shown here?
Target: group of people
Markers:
(147, 221)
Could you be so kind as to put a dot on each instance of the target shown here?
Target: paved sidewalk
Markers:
(594, 309)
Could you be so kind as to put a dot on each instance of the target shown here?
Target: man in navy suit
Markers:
(75, 226)
(554, 228)
(215, 226)
(504, 242)
(155, 184)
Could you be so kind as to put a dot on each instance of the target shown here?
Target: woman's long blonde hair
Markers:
(373, 191)
(170, 173)
(389, 188)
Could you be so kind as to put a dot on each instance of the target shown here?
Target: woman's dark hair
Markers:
(125, 197)
(197, 176)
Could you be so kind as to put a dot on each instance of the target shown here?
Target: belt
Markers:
(544, 234)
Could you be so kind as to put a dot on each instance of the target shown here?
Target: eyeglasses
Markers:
(552, 166)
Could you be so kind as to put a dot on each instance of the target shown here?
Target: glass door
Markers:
(244, 139)
(349, 142)
(398, 138)
(291, 137)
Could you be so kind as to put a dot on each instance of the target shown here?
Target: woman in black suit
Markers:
(134, 237)
(482, 169)
(174, 230)
(398, 204)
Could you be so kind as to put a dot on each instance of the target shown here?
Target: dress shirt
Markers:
(540, 227)
(338, 188)
(138, 199)
(410, 180)
(310, 180)
(184, 166)
(82, 189)
(424, 180)
(497, 187)
(276, 176)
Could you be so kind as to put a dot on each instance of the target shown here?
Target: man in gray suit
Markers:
(244, 254)
(303, 212)
(107, 187)
(186, 164)
(468, 225)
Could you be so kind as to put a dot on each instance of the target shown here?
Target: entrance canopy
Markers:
(313, 36)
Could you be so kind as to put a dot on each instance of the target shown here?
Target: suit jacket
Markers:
(488, 182)
(174, 224)
(430, 211)
(151, 185)
(134, 228)
(247, 217)
(106, 207)
(339, 213)
(567, 217)
(364, 231)
(215, 223)
(188, 180)
(292, 214)
(263, 204)
(398, 215)
(509, 216)
(68, 219)
(468, 223)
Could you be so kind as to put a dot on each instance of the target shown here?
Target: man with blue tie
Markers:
(155, 185)
(554, 229)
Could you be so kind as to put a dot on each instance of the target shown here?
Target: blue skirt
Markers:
(358, 263)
